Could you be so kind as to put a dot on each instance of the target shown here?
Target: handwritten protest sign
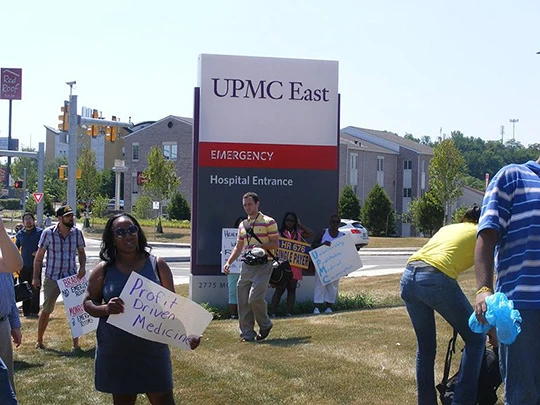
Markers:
(73, 289)
(335, 261)
(228, 242)
(155, 313)
(296, 252)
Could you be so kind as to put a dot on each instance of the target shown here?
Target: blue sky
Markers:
(406, 67)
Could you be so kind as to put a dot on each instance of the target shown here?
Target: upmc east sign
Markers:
(10, 84)
(267, 125)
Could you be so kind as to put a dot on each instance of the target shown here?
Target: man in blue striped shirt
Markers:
(509, 242)
(10, 324)
(62, 242)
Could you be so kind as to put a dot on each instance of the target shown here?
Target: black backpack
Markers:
(488, 381)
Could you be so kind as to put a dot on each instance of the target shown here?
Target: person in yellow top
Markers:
(429, 284)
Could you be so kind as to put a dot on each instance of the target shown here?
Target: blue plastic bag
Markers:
(501, 314)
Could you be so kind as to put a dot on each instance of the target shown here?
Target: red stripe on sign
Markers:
(212, 154)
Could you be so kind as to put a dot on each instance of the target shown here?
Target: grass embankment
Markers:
(350, 357)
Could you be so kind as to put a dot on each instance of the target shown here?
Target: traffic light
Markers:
(111, 131)
(18, 184)
(93, 130)
(62, 172)
(114, 130)
(63, 125)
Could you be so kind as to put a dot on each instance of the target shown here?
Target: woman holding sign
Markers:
(125, 364)
(326, 293)
(291, 228)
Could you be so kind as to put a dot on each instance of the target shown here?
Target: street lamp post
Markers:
(513, 121)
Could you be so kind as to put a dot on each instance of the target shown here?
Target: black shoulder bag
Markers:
(23, 291)
(281, 269)
(488, 381)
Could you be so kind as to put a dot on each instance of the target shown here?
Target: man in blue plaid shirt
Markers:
(62, 243)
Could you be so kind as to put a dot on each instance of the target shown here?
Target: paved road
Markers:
(375, 261)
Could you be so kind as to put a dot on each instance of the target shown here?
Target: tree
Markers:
(446, 172)
(377, 213)
(427, 213)
(88, 184)
(457, 216)
(178, 208)
(349, 204)
(161, 176)
(48, 208)
(474, 182)
(55, 188)
(99, 206)
(107, 182)
(142, 208)
(424, 140)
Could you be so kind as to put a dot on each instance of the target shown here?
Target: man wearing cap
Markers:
(62, 242)
(27, 240)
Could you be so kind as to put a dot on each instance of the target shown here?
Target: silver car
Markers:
(357, 231)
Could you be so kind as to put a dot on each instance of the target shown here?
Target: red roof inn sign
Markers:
(10, 84)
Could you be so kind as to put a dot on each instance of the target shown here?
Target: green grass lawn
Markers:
(350, 357)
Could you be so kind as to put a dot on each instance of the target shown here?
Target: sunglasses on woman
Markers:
(122, 232)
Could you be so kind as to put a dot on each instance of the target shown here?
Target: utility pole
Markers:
(513, 121)
(502, 134)
(72, 157)
(73, 124)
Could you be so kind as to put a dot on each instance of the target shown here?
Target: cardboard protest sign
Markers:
(335, 261)
(155, 313)
(228, 242)
(296, 252)
(73, 289)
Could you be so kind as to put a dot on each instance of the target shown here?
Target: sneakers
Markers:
(328, 310)
(77, 351)
(40, 345)
(316, 311)
(263, 333)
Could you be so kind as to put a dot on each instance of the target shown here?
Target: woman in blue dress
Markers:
(125, 364)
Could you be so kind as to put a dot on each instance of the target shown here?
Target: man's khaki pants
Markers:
(252, 307)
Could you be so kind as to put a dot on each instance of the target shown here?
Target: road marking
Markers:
(376, 272)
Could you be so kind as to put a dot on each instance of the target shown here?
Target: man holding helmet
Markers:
(256, 269)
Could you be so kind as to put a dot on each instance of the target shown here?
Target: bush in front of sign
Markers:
(10, 203)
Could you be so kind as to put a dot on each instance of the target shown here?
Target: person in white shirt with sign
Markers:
(326, 293)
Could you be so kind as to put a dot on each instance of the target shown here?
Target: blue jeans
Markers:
(519, 362)
(7, 396)
(426, 290)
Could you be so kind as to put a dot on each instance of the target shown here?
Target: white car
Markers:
(110, 205)
(357, 231)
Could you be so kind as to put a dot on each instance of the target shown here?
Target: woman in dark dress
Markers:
(125, 364)
(291, 228)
